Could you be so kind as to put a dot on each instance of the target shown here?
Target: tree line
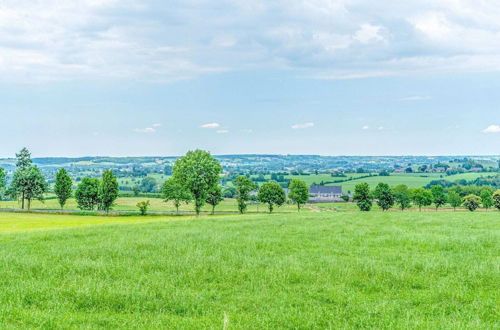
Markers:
(387, 197)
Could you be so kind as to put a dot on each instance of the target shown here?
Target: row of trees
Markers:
(386, 197)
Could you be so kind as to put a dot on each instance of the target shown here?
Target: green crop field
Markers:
(311, 270)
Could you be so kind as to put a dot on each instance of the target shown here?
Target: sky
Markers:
(328, 77)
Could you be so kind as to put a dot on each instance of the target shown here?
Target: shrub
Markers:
(472, 202)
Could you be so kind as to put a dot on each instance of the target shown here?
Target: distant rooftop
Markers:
(316, 189)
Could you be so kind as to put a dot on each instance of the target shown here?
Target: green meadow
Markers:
(430, 270)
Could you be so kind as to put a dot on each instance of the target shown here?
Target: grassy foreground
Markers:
(309, 270)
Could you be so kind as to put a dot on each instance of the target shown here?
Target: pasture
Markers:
(307, 270)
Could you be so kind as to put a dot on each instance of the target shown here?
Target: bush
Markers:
(472, 202)
(143, 207)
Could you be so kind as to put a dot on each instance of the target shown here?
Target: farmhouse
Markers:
(322, 194)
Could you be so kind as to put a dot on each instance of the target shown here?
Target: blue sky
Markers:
(344, 77)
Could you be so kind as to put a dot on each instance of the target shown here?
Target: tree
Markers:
(486, 197)
(472, 202)
(421, 197)
(3, 182)
(87, 194)
(176, 192)
(148, 185)
(30, 184)
(363, 197)
(23, 161)
(496, 199)
(384, 195)
(402, 196)
(136, 190)
(108, 191)
(63, 187)
(215, 197)
(299, 192)
(143, 207)
(198, 172)
(272, 194)
(454, 199)
(438, 196)
(244, 186)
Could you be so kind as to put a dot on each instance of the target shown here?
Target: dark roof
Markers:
(325, 190)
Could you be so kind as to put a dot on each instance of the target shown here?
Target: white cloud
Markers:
(147, 130)
(369, 33)
(210, 125)
(381, 128)
(365, 127)
(222, 131)
(303, 126)
(492, 129)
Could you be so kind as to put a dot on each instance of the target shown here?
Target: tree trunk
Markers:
(213, 209)
(298, 207)
(22, 201)
(29, 204)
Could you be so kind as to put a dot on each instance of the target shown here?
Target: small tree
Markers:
(108, 191)
(136, 190)
(215, 197)
(23, 159)
(272, 194)
(143, 207)
(148, 185)
(496, 199)
(384, 195)
(30, 184)
(487, 198)
(244, 186)
(363, 197)
(3, 183)
(421, 197)
(175, 192)
(198, 172)
(63, 187)
(472, 202)
(454, 199)
(299, 192)
(438, 196)
(87, 194)
(402, 196)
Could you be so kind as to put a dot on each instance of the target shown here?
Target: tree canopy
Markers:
(63, 187)
(272, 194)
(299, 192)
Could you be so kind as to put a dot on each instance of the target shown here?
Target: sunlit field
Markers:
(309, 270)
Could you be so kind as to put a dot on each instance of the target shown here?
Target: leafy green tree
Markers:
(402, 196)
(175, 192)
(63, 187)
(486, 197)
(136, 190)
(454, 199)
(363, 197)
(438, 196)
(143, 207)
(421, 197)
(384, 195)
(229, 192)
(272, 194)
(496, 199)
(214, 197)
(30, 184)
(198, 172)
(244, 186)
(299, 192)
(23, 159)
(3, 183)
(108, 191)
(87, 194)
(471, 202)
(148, 185)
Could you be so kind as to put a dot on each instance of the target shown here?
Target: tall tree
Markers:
(198, 172)
(454, 199)
(363, 196)
(63, 187)
(30, 184)
(87, 194)
(23, 163)
(3, 183)
(384, 195)
(402, 196)
(272, 194)
(23, 159)
(496, 198)
(175, 192)
(421, 197)
(244, 186)
(108, 191)
(299, 192)
(214, 197)
(486, 197)
(438, 196)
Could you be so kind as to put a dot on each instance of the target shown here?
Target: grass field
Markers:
(310, 270)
